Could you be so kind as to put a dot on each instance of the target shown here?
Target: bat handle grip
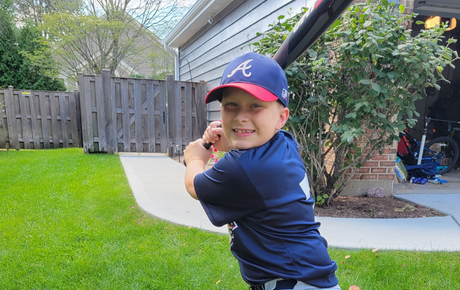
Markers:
(208, 145)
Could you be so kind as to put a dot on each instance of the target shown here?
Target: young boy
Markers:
(260, 188)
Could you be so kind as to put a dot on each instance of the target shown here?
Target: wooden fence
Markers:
(39, 120)
(140, 115)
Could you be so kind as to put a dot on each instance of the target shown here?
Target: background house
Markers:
(151, 60)
(214, 32)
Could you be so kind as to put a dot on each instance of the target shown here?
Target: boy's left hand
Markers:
(195, 151)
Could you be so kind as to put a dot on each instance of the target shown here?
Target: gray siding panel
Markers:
(207, 54)
(232, 33)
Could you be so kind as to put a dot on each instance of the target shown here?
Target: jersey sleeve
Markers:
(226, 192)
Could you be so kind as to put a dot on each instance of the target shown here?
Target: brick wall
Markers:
(377, 172)
(381, 167)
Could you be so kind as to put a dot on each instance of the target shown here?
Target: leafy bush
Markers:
(349, 92)
(25, 56)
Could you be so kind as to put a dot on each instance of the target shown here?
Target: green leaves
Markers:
(354, 89)
(321, 199)
(376, 87)
(26, 61)
(351, 115)
(365, 81)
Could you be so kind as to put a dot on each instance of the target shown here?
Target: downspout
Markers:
(176, 60)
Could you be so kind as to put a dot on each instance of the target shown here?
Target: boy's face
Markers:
(249, 122)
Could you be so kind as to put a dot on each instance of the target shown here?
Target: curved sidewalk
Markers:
(157, 183)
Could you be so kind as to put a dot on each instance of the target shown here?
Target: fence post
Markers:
(44, 120)
(110, 133)
(150, 95)
(188, 113)
(54, 118)
(3, 125)
(202, 116)
(86, 115)
(171, 101)
(11, 119)
(101, 120)
(178, 113)
(164, 139)
(24, 119)
(73, 99)
(34, 119)
(63, 114)
(125, 114)
(137, 115)
(78, 119)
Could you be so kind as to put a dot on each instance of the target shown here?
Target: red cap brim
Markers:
(258, 92)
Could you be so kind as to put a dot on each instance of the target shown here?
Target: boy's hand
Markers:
(196, 152)
(215, 134)
(195, 156)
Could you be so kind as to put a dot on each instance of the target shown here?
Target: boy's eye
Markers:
(230, 104)
(255, 105)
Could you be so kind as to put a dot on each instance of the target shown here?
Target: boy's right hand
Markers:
(215, 135)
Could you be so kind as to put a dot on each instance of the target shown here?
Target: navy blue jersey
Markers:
(264, 196)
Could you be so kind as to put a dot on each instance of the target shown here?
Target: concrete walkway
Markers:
(157, 183)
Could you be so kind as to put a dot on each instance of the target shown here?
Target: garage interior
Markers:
(445, 103)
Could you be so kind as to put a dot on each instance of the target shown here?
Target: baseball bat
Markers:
(319, 16)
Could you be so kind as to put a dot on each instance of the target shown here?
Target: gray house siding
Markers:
(205, 56)
(208, 50)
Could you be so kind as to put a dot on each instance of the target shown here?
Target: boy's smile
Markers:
(249, 122)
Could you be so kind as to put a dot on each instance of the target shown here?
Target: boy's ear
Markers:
(284, 115)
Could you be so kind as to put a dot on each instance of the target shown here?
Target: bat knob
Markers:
(207, 145)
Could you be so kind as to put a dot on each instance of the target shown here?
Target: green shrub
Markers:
(349, 93)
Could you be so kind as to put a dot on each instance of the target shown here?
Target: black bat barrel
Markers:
(319, 16)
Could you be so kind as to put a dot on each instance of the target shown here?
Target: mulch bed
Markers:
(374, 207)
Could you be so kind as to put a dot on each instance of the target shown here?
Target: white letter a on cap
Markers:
(242, 67)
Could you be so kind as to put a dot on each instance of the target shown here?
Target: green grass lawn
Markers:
(68, 221)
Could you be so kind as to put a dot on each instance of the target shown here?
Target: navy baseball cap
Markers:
(257, 74)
